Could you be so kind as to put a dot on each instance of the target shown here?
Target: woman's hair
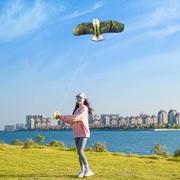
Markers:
(86, 103)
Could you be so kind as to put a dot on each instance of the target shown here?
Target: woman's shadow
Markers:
(74, 177)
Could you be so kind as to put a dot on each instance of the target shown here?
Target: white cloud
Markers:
(98, 5)
(163, 21)
(163, 32)
(21, 17)
(75, 14)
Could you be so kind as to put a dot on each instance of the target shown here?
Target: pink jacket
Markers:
(79, 122)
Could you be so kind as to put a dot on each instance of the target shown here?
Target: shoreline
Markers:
(164, 129)
(100, 129)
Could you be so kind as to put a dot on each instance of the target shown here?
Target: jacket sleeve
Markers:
(73, 118)
(66, 120)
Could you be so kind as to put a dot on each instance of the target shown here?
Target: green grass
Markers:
(54, 163)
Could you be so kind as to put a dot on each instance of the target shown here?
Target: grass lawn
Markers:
(54, 163)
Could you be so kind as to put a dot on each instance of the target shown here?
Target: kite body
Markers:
(97, 28)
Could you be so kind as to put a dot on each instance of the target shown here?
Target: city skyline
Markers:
(133, 72)
(172, 117)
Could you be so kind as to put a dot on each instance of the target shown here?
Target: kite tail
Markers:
(97, 38)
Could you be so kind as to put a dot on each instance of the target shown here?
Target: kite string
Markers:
(74, 75)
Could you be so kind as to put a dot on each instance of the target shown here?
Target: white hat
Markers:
(82, 95)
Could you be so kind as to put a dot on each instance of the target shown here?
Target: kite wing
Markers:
(111, 27)
(83, 28)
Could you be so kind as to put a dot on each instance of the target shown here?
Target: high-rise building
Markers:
(177, 118)
(96, 121)
(48, 121)
(147, 120)
(61, 124)
(127, 120)
(20, 126)
(9, 127)
(143, 116)
(114, 120)
(162, 117)
(33, 121)
(37, 121)
(139, 120)
(154, 119)
(123, 121)
(107, 118)
(132, 121)
(172, 116)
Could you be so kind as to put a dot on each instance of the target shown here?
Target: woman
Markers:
(80, 125)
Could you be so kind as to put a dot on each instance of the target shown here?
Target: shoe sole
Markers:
(88, 175)
(80, 176)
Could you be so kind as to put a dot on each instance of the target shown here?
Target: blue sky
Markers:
(128, 73)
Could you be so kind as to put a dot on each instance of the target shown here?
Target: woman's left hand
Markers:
(56, 115)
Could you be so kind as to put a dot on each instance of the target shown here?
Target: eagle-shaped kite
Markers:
(97, 28)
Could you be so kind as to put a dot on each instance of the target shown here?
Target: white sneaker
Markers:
(88, 172)
(81, 174)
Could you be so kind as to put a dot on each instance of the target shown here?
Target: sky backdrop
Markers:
(43, 66)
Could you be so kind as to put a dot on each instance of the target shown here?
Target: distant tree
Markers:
(99, 147)
(159, 150)
(167, 125)
(177, 152)
(16, 142)
(28, 143)
(39, 139)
